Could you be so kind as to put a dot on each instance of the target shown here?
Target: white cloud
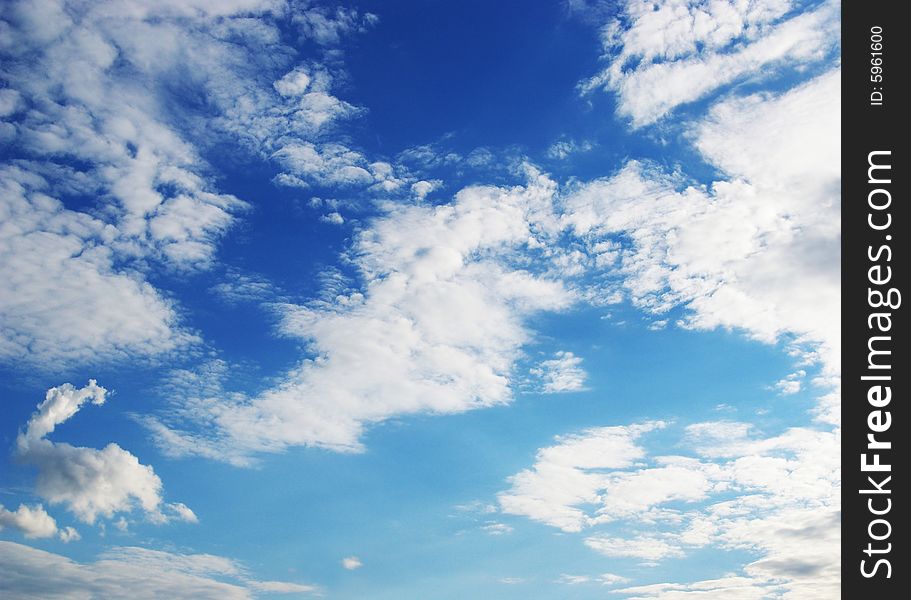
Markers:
(10, 102)
(69, 534)
(562, 373)
(573, 579)
(570, 475)
(243, 288)
(791, 384)
(611, 579)
(90, 99)
(777, 496)
(64, 301)
(562, 149)
(758, 252)
(328, 27)
(140, 573)
(327, 164)
(90, 482)
(603, 579)
(645, 547)
(31, 521)
(334, 218)
(293, 83)
(351, 563)
(150, 181)
(35, 522)
(727, 588)
(420, 189)
(437, 327)
(494, 528)
(676, 51)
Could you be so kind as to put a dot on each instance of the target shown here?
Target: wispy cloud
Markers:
(733, 490)
(132, 572)
(669, 53)
(563, 373)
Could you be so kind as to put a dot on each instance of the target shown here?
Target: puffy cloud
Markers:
(611, 579)
(562, 373)
(90, 482)
(351, 563)
(33, 522)
(293, 83)
(437, 327)
(727, 588)
(603, 579)
(573, 579)
(676, 51)
(141, 573)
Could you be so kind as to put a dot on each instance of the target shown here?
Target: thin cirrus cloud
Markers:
(131, 572)
(91, 483)
(662, 55)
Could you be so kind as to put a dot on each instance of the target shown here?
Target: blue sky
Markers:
(410, 300)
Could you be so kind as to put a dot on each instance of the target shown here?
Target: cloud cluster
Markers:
(107, 112)
(65, 298)
(130, 572)
(562, 373)
(568, 475)
(436, 327)
(438, 322)
(777, 497)
(757, 252)
(91, 483)
(668, 53)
